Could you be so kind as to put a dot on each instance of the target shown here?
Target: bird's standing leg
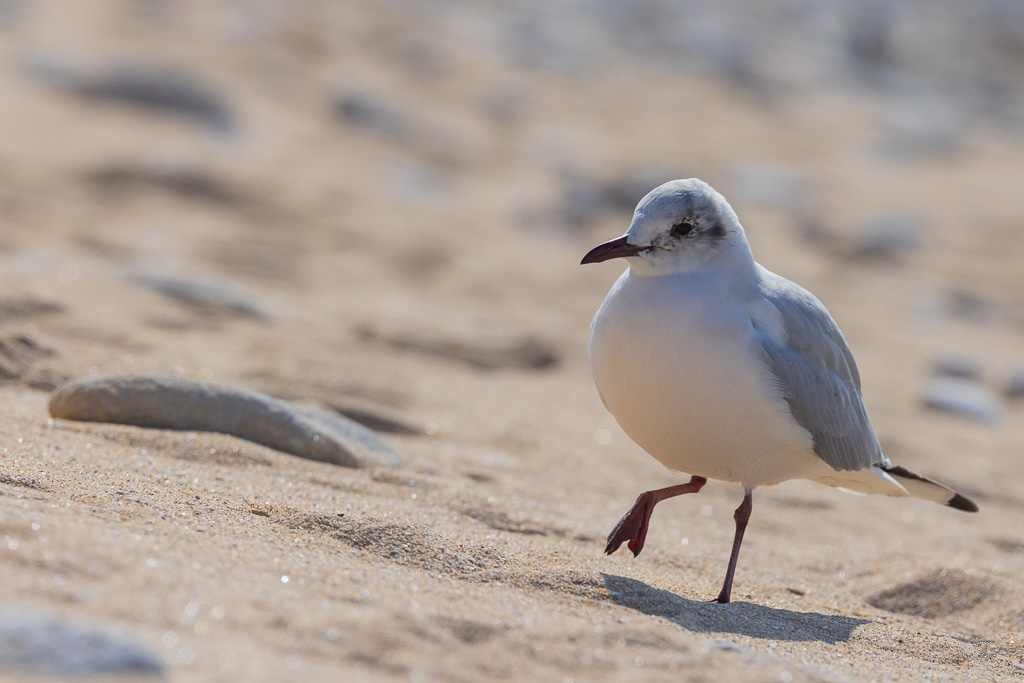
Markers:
(633, 525)
(742, 516)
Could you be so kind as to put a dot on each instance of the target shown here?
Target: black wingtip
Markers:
(962, 503)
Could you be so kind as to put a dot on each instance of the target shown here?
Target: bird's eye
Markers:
(682, 229)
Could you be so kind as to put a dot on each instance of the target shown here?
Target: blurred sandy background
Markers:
(378, 208)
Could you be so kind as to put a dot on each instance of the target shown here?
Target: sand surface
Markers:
(415, 267)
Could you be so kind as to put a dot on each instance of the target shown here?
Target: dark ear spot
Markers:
(716, 229)
(682, 229)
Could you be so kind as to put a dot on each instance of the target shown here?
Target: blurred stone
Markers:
(206, 297)
(726, 644)
(887, 238)
(924, 127)
(369, 111)
(960, 366)
(968, 305)
(1015, 384)
(180, 181)
(10, 11)
(175, 403)
(869, 30)
(813, 230)
(962, 397)
(965, 305)
(41, 645)
(27, 307)
(443, 146)
(172, 91)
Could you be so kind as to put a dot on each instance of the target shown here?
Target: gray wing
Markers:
(819, 377)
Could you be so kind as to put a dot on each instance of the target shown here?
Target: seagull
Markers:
(721, 369)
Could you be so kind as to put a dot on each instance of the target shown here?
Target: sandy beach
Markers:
(378, 210)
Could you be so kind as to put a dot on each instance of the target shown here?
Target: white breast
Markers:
(676, 361)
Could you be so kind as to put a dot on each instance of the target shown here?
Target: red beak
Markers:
(616, 248)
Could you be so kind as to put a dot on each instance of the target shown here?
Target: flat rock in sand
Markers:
(41, 645)
(962, 397)
(174, 403)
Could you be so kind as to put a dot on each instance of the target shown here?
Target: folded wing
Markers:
(819, 378)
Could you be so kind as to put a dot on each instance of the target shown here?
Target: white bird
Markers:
(721, 369)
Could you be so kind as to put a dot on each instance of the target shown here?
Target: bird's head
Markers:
(680, 227)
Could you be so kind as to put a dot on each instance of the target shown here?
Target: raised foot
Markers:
(632, 528)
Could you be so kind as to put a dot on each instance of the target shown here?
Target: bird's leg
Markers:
(632, 528)
(742, 516)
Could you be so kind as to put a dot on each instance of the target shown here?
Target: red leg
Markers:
(742, 516)
(632, 528)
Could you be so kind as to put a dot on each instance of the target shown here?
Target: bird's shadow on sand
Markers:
(740, 618)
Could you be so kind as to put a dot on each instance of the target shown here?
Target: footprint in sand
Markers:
(939, 594)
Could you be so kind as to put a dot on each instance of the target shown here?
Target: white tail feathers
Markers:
(928, 489)
(892, 480)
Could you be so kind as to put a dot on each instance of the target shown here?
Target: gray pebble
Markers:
(445, 146)
(170, 91)
(973, 307)
(179, 181)
(174, 403)
(727, 645)
(10, 12)
(960, 366)
(369, 111)
(42, 645)
(924, 126)
(870, 27)
(207, 297)
(1015, 384)
(27, 307)
(892, 238)
(962, 397)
